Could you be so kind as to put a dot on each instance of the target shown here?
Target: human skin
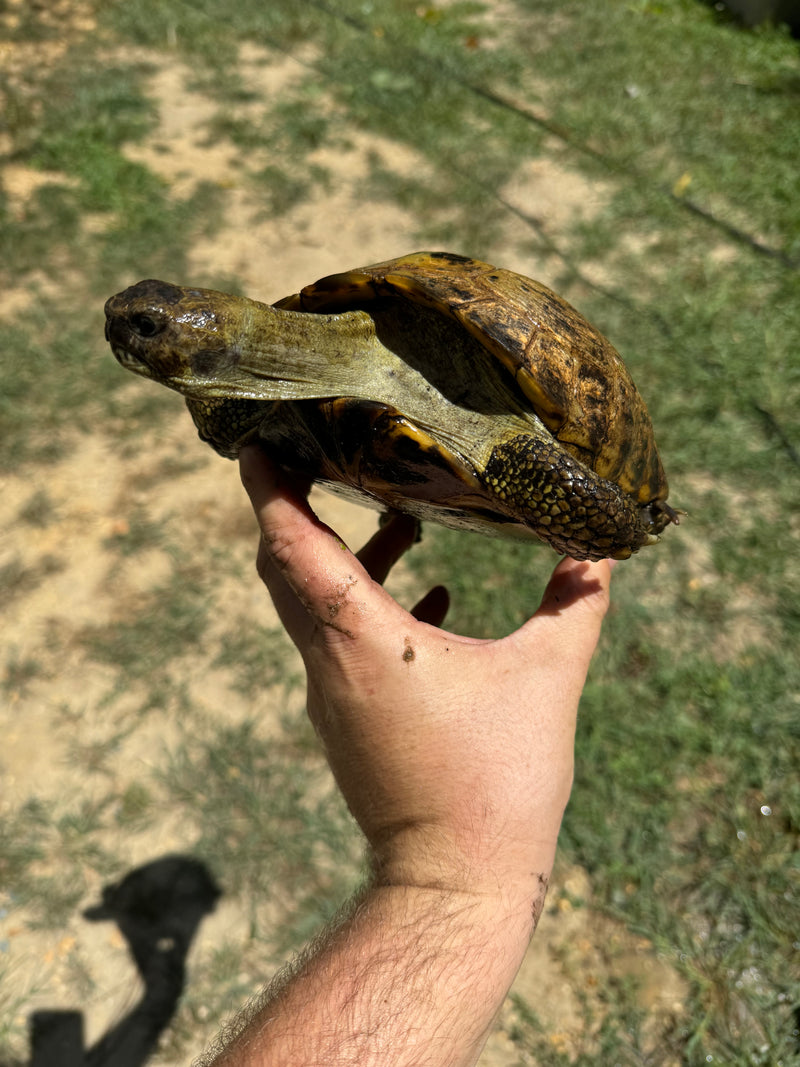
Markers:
(455, 756)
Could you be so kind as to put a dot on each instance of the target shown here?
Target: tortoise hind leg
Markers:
(568, 505)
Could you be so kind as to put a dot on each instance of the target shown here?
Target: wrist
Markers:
(495, 928)
(509, 879)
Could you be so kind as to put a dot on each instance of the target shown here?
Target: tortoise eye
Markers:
(145, 325)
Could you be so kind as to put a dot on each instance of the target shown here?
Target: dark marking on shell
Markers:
(450, 257)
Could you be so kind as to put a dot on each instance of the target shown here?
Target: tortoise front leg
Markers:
(569, 506)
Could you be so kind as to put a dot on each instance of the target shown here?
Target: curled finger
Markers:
(433, 607)
(387, 545)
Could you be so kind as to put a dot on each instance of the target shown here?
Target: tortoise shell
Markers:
(574, 379)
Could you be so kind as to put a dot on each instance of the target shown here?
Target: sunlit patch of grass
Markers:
(156, 629)
(270, 823)
(480, 586)
(616, 1036)
(20, 672)
(277, 141)
(195, 30)
(20, 845)
(54, 379)
(45, 854)
(90, 112)
(664, 119)
(80, 118)
(257, 657)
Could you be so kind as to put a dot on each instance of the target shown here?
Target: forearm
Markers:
(414, 976)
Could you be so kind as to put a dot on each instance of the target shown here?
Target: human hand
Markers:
(455, 755)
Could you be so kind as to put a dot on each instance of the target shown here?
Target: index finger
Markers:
(311, 574)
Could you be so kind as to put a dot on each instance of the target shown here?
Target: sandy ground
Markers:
(93, 494)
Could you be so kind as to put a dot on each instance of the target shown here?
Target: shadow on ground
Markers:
(158, 908)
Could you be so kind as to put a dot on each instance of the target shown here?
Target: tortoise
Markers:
(433, 384)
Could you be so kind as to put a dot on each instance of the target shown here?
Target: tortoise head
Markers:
(183, 338)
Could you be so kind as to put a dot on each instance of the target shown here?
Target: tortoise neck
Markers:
(290, 355)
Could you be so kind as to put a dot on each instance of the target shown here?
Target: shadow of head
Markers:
(162, 901)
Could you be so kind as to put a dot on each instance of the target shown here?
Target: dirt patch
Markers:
(564, 978)
(747, 619)
(555, 199)
(20, 183)
(59, 24)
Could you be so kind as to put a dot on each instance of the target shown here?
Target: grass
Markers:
(690, 126)
(19, 673)
(46, 853)
(270, 824)
(640, 114)
(169, 621)
(259, 656)
(615, 1038)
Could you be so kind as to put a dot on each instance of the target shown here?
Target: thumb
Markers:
(580, 585)
(566, 626)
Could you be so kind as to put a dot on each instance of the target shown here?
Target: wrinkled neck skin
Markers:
(212, 346)
(263, 353)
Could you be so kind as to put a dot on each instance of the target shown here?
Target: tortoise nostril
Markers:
(145, 325)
